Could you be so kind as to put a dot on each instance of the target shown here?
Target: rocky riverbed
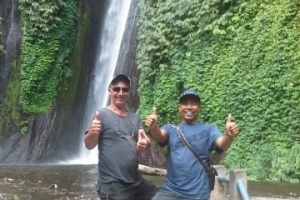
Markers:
(48, 182)
(77, 182)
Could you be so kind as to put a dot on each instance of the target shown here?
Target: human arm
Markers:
(143, 142)
(232, 130)
(91, 137)
(160, 135)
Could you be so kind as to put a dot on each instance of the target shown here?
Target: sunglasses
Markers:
(118, 89)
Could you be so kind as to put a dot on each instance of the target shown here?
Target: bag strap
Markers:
(181, 136)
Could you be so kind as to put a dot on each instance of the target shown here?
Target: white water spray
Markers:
(108, 52)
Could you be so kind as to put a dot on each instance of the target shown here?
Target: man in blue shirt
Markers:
(186, 177)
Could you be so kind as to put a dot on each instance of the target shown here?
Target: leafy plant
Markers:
(243, 57)
(48, 36)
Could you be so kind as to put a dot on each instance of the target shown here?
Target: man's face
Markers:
(189, 108)
(119, 93)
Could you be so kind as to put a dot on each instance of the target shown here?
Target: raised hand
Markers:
(91, 137)
(232, 129)
(96, 124)
(143, 141)
(151, 120)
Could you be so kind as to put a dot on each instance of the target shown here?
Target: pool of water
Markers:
(271, 190)
(44, 182)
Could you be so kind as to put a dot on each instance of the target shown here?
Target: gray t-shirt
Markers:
(118, 157)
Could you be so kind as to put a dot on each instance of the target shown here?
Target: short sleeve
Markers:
(215, 133)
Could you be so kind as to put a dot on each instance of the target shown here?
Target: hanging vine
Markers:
(48, 37)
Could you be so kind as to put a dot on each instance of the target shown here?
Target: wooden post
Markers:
(219, 192)
(234, 176)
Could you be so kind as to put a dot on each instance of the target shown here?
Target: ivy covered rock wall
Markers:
(243, 57)
(39, 91)
(10, 37)
(48, 38)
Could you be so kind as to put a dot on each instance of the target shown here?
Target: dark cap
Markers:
(120, 77)
(190, 93)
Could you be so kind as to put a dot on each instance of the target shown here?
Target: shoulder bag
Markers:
(209, 169)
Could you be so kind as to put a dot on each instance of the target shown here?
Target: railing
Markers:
(232, 187)
(236, 181)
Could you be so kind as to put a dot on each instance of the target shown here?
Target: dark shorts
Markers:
(140, 190)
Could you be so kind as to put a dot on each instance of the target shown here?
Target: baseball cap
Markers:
(121, 77)
(191, 93)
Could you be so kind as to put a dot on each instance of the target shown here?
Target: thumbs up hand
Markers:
(232, 129)
(96, 124)
(143, 141)
(151, 120)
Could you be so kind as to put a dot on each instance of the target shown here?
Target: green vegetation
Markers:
(42, 75)
(48, 39)
(76, 58)
(243, 57)
(10, 110)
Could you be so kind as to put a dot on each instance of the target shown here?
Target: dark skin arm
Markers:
(232, 130)
(224, 142)
(158, 134)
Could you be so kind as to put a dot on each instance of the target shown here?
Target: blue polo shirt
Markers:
(186, 176)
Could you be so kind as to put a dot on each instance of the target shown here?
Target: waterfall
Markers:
(106, 60)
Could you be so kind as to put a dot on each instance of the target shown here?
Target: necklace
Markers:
(120, 120)
(123, 115)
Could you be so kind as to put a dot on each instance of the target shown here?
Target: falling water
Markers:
(108, 52)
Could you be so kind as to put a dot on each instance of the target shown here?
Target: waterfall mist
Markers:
(106, 60)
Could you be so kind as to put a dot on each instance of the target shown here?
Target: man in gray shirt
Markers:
(120, 136)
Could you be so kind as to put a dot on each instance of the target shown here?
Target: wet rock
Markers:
(53, 186)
